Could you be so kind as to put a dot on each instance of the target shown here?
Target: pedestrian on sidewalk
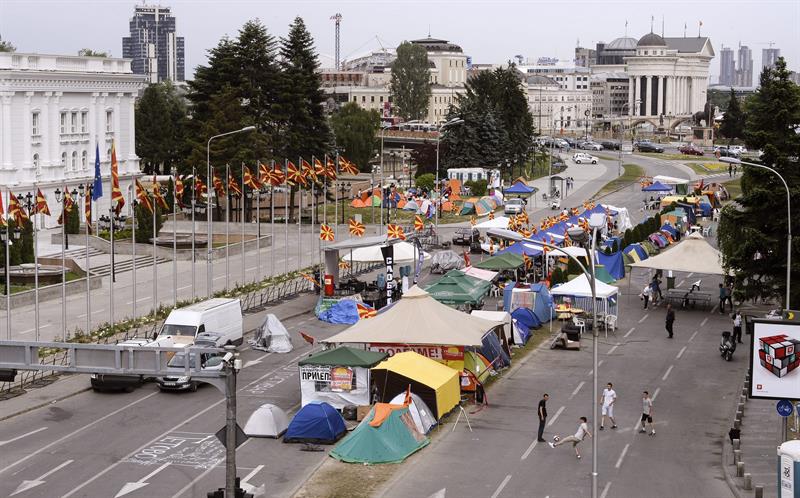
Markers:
(542, 412)
(729, 295)
(655, 286)
(608, 398)
(722, 299)
(646, 293)
(737, 326)
(647, 413)
(580, 435)
(669, 320)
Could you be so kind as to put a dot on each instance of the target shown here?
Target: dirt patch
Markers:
(335, 479)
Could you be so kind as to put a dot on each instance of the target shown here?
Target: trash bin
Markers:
(670, 283)
(789, 469)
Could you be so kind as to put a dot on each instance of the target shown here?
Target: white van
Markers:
(223, 316)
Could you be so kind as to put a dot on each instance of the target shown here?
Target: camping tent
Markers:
(390, 440)
(457, 288)
(657, 187)
(580, 289)
(498, 317)
(317, 422)
(519, 188)
(485, 206)
(524, 322)
(692, 254)
(420, 413)
(505, 261)
(267, 421)
(403, 252)
(272, 336)
(338, 376)
(343, 312)
(435, 383)
(444, 261)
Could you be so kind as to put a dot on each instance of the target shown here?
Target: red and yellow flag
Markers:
(233, 187)
(87, 210)
(491, 215)
(293, 175)
(330, 170)
(15, 210)
(527, 261)
(419, 225)
(142, 197)
(160, 201)
(179, 191)
(491, 247)
(395, 231)
(347, 167)
(69, 203)
(250, 180)
(117, 200)
(277, 177)
(200, 188)
(264, 174)
(319, 169)
(41, 203)
(365, 311)
(326, 233)
(2, 213)
(473, 221)
(219, 188)
(308, 171)
(356, 228)
(343, 265)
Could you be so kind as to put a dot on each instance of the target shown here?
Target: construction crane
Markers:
(338, 18)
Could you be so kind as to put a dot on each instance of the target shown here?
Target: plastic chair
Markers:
(611, 323)
(581, 324)
(707, 231)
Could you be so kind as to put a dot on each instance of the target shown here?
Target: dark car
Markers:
(610, 144)
(648, 147)
(466, 236)
(726, 152)
(690, 150)
(119, 382)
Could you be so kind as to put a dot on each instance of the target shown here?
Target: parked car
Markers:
(591, 146)
(514, 206)
(466, 236)
(610, 144)
(739, 149)
(690, 150)
(648, 147)
(725, 152)
(219, 315)
(178, 380)
(583, 157)
(119, 382)
(570, 141)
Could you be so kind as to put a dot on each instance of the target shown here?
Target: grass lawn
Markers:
(397, 215)
(632, 173)
(708, 167)
(734, 187)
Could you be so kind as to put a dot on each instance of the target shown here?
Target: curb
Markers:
(726, 449)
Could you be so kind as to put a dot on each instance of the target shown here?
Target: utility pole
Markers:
(338, 18)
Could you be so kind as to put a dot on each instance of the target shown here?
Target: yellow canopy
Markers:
(442, 393)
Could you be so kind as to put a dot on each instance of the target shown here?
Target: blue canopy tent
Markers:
(613, 264)
(493, 350)
(316, 422)
(524, 321)
(520, 189)
(657, 187)
(522, 248)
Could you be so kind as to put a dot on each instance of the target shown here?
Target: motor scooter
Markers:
(727, 346)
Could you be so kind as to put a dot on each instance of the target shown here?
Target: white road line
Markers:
(40, 328)
(76, 431)
(714, 309)
(252, 473)
(680, 353)
(690, 275)
(577, 389)
(502, 485)
(83, 315)
(695, 333)
(555, 417)
(599, 364)
(703, 323)
(184, 287)
(667, 372)
(605, 490)
(655, 394)
(524, 455)
(644, 317)
(40, 429)
(680, 284)
(630, 332)
(614, 348)
(140, 300)
(622, 456)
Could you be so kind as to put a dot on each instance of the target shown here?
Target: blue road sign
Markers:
(784, 407)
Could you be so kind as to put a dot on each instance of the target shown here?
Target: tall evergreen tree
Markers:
(478, 141)
(733, 122)
(161, 120)
(355, 129)
(410, 85)
(752, 232)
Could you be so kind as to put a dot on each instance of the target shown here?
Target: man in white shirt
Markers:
(647, 413)
(582, 432)
(608, 398)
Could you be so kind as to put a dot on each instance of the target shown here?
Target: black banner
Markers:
(388, 259)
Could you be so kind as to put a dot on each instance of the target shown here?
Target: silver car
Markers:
(514, 206)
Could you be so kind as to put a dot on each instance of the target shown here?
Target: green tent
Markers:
(602, 275)
(391, 442)
(505, 261)
(456, 288)
(344, 356)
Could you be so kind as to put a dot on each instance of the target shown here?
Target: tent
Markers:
(317, 422)
(493, 350)
(602, 275)
(343, 312)
(519, 188)
(468, 207)
(478, 273)
(692, 254)
(338, 376)
(657, 187)
(272, 336)
(622, 217)
(498, 317)
(267, 421)
(411, 206)
(390, 440)
(529, 250)
(612, 263)
(420, 413)
(681, 184)
(357, 203)
(403, 252)
(506, 261)
(485, 206)
(636, 252)
(498, 222)
(524, 322)
(477, 369)
(444, 261)
(435, 383)
(457, 288)
(580, 289)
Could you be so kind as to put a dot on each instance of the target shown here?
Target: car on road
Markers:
(590, 146)
(514, 206)
(739, 149)
(177, 380)
(690, 150)
(583, 157)
(610, 144)
(119, 382)
(649, 147)
(725, 152)
(465, 236)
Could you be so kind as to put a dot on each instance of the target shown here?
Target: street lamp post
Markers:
(452, 122)
(5, 234)
(209, 245)
(733, 160)
(343, 187)
(26, 202)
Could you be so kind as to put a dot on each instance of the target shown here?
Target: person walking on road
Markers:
(670, 319)
(655, 286)
(722, 298)
(737, 326)
(542, 412)
(580, 435)
(729, 295)
(646, 293)
(608, 398)
(647, 413)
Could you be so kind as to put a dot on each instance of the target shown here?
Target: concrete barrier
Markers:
(748, 482)
(737, 424)
(737, 456)
(740, 469)
(759, 491)
(737, 444)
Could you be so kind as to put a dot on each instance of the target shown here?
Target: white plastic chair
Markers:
(580, 323)
(611, 323)
(706, 231)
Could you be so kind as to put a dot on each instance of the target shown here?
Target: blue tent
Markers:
(669, 229)
(316, 422)
(613, 264)
(492, 349)
(638, 249)
(526, 321)
(657, 187)
(345, 311)
(543, 305)
(521, 248)
(689, 210)
(519, 188)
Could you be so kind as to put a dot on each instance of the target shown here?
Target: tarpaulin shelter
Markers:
(613, 264)
(272, 336)
(519, 188)
(317, 422)
(457, 288)
(602, 275)
(339, 376)
(506, 261)
(657, 187)
(580, 289)
(478, 273)
(693, 254)
(343, 312)
(422, 416)
(267, 421)
(390, 440)
(436, 384)
(444, 261)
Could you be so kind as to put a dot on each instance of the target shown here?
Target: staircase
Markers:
(120, 266)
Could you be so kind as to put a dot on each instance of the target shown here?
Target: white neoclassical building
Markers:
(54, 110)
(668, 78)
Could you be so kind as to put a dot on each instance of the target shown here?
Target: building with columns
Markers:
(557, 108)
(668, 78)
(54, 110)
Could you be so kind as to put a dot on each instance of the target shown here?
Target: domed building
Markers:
(614, 53)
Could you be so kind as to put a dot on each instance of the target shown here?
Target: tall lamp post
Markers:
(209, 176)
(343, 188)
(452, 122)
(733, 160)
(6, 234)
(26, 202)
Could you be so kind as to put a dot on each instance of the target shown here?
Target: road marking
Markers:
(40, 327)
(714, 308)
(26, 485)
(130, 487)
(577, 389)
(690, 275)
(83, 315)
(655, 394)
(600, 363)
(667, 373)
(555, 417)
(40, 429)
(605, 490)
(644, 317)
(76, 431)
(680, 353)
(614, 348)
(703, 323)
(502, 485)
(681, 283)
(528, 451)
(252, 473)
(695, 333)
(622, 456)
(630, 332)
(184, 287)
(140, 300)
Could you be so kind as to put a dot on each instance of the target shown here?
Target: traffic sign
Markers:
(241, 437)
(784, 407)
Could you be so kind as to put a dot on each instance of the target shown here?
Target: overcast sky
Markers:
(491, 31)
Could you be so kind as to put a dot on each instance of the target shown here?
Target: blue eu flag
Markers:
(97, 188)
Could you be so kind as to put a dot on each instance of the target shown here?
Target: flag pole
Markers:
(258, 222)
(336, 198)
(8, 272)
(208, 241)
(63, 266)
(36, 264)
(133, 244)
(111, 282)
(272, 222)
(155, 255)
(228, 199)
(89, 190)
(300, 217)
(241, 219)
(286, 215)
(173, 174)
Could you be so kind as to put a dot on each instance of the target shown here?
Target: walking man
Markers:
(729, 295)
(608, 398)
(542, 412)
(655, 286)
(580, 435)
(647, 413)
(737, 326)
(722, 296)
(670, 319)
(646, 293)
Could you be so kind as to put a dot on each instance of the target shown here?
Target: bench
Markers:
(677, 296)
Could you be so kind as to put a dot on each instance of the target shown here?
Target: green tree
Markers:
(425, 181)
(144, 223)
(733, 122)
(73, 220)
(6, 46)
(161, 121)
(88, 52)
(477, 141)
(477, 187)
(410, 85)
(355, 129)
(424, 156)
(752, 232)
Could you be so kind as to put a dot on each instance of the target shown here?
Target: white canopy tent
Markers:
(498, 222)
(403, 253)
(580, 289)
(499, 317)
(693, 254)
(487, 275)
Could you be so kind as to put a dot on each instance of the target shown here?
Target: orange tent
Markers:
(448, 206)
(357, 203)
(401, 203)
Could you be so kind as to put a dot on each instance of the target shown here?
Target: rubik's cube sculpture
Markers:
(779, 354)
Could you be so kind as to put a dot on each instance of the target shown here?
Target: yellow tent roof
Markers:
(441, 378)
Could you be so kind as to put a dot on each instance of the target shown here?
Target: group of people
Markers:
(608, 399)
(652, 291)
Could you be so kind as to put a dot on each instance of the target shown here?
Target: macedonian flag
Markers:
(419, 225)
(326, 233)
(395, 232)
(356, 228)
